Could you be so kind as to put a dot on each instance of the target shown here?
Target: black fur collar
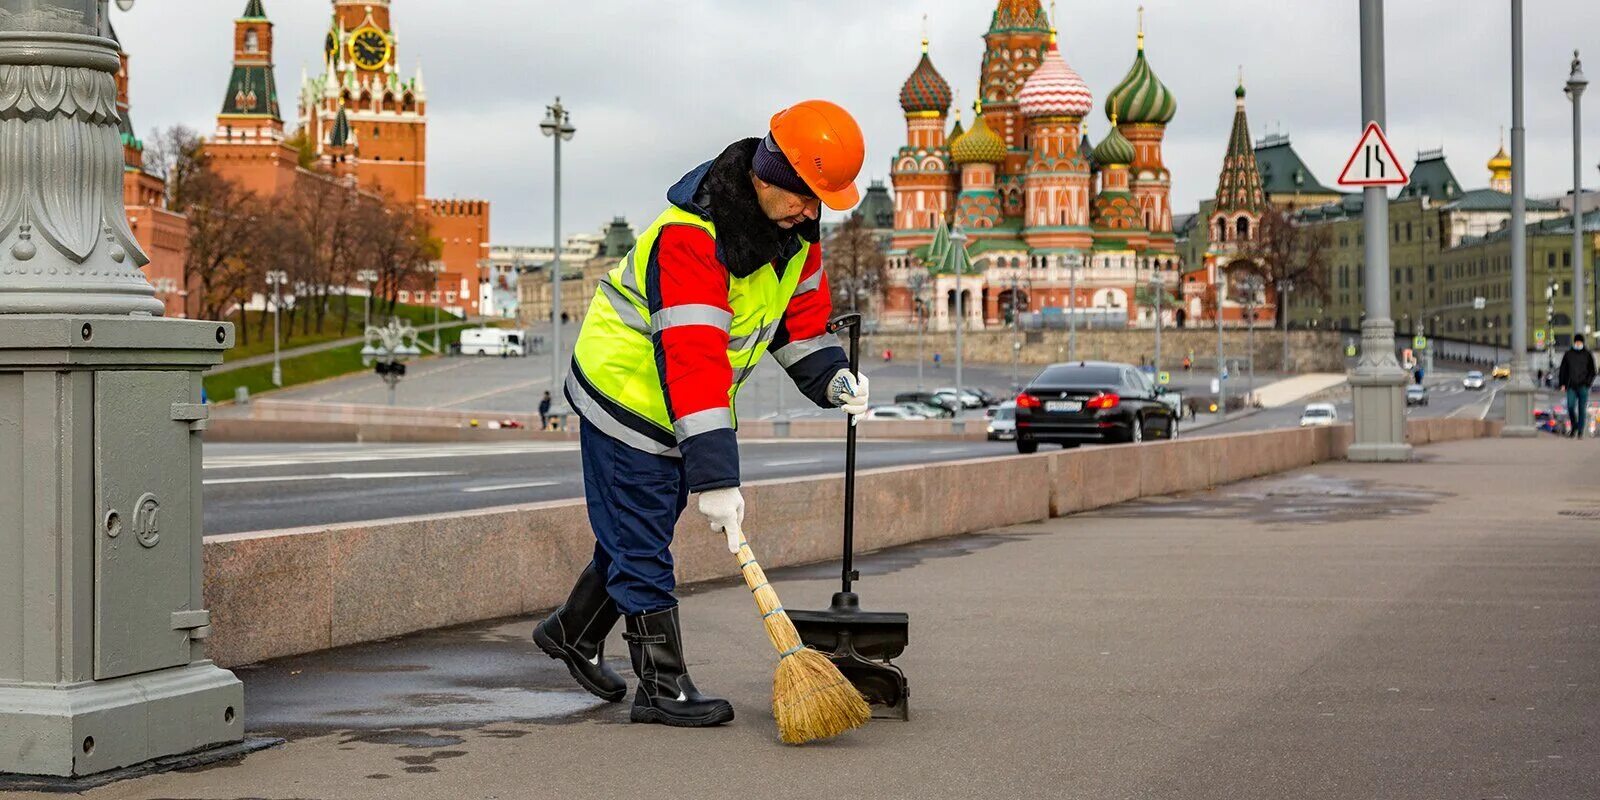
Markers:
(746, 239)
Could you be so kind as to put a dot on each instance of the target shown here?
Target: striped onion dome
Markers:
(1141, 97)
(980, 144)
(1054, 89)
(1115, 149)
(926, 90)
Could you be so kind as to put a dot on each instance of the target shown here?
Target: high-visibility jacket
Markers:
(671, 334)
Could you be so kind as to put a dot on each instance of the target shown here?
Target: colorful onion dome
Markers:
(978, 145)
(1054, 89)
(1141, 97)
(1115, 149)
(1500, 162)
(955, 131)
(926, 90)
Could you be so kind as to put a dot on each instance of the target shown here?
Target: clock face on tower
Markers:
(370, 48)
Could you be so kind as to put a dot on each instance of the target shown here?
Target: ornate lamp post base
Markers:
(1519, 407)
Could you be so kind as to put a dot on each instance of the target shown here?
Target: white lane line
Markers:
(793, 462)
(247, 461)
(336, 476)
(944, 450)
(508, 486)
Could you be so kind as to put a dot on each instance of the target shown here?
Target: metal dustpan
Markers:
(862, 644)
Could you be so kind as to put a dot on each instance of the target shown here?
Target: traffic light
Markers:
(394, 368)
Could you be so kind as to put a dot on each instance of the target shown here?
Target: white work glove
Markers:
(724, 509)
(849, 391)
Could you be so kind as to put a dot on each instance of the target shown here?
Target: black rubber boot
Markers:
(666, 694)
(576, 635)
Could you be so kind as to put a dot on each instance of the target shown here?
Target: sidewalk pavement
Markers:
(1429, 629)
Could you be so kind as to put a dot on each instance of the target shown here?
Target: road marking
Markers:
(492, 392)
(793, 462)
(369, 453)
(508, 486)
(944, 450)
(336, 476)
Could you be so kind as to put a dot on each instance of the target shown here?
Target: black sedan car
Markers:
(1091, 402)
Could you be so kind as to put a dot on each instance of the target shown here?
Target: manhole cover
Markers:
(1587, 513)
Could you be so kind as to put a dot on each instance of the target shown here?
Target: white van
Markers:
(493, 342)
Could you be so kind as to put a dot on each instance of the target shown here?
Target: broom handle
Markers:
(850, 466)
(787, 639)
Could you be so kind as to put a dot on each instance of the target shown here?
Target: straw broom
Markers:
(810, 697)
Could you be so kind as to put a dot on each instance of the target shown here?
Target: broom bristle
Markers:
(811, 699)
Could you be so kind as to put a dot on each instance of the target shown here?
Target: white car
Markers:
(893, 412)
(1318, 415)
(968, 398)
(1003, 425)
(1474, 380)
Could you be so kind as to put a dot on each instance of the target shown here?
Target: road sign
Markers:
(1350, 351)
(1164, 377)
(1478, 303)
(1373, 162)
(1216, 386)
(1538, 336)
(1420, 342)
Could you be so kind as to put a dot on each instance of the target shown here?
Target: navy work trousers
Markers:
(634, 501)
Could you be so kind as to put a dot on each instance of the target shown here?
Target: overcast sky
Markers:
(655, 87)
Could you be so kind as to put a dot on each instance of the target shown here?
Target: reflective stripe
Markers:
(596, 415)
(627, 311)
(753, 338)
(809, 284)
(792, 352)
(630, 279)
(711, 419)
(691, 314)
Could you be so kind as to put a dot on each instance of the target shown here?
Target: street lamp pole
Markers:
(1377, 380)
(958, 248)
(276, 278)
(370, 278)
(1222, 378)
(1287, 287)
(438, 299)
(1158, 288)
(557, 125)
(1519, 394)
(1073, 261)
(1576, 83)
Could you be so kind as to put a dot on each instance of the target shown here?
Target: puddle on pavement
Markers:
(1298, 500)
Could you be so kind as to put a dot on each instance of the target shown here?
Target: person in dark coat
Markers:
(544, 412)
(1576, 375)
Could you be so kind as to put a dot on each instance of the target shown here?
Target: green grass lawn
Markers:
(308, 368)
(261, 345)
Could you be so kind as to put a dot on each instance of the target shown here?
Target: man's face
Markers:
(784, 207)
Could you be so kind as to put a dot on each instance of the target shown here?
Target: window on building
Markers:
(1397, 231)
(1566, 258)
(252, 42)
(1550, 259)
(1430, 273)
(1222, 230)
(450, 297)
(1243, 228)
(1566, 288)
(405, 296)
(1408, 231)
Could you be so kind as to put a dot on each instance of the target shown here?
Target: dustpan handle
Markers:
(853, 322)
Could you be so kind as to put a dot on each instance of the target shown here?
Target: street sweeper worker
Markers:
(730, 271)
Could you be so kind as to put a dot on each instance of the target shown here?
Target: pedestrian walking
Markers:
(731, 270)
(1576, 375)
(544, 412)
(935, 360)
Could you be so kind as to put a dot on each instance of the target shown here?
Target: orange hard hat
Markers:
(825, 146)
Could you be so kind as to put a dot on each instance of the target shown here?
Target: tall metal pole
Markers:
(1519, 394)
(277, 306)
(958, 247)
(1250, 343)
(1377, 382)
(1016, 343)
(922, 332)
(557, 124)
(1283, 309)
(1222, 380)
(1576, 83)
(1159, 288)
(438, 298)
(1072, 308)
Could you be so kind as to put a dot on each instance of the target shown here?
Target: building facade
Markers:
(585, 259)
(1052, 224)
(360, 122)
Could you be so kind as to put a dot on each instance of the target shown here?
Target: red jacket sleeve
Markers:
(687, 294)
(803, 346)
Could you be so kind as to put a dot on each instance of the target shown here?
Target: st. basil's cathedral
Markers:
(1037, 201)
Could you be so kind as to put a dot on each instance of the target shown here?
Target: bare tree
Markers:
(177, 156)
(223, 220)
(1289, 256)
(855, 262)
(393, 242)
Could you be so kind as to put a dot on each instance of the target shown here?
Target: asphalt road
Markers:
(251, 487)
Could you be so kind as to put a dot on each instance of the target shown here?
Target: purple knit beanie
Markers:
(772, 166)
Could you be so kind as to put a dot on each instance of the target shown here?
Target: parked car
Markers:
(1091, 402)
(947, 404)
(1003, 425)
(894, 412)
(967, 397)
(1416, 395)
(990, 398)
(1318, 415)
(1501, 372)
(1474, 380)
